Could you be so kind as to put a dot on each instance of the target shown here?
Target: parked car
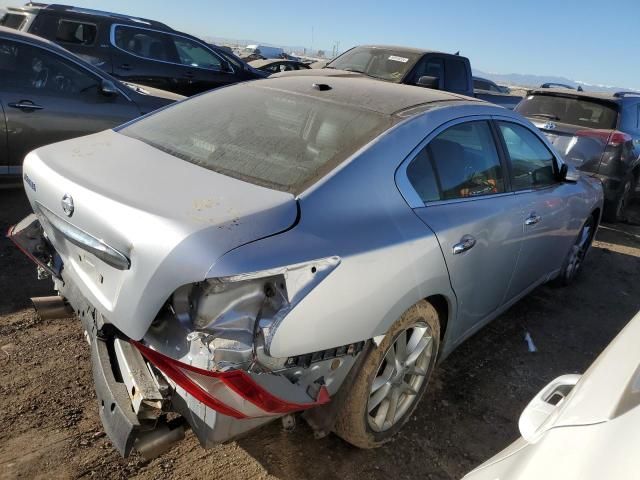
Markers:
(583, 427)
(18, 17)
(48, 94)
(274, 65)
(329, 240)
(487, 85)
(138, 50)
(265, 51)
(411, 66)
(598, 133)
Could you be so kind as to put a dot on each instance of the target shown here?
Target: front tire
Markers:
(392, 379)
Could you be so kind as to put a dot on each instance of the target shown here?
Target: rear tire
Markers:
(617, 212)
(392, 379)
(572, 264)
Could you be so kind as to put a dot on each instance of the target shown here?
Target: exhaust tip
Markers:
(51, 308)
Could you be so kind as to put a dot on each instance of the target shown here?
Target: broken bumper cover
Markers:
(118, 418)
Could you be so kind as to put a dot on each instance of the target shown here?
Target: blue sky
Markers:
(586, 40)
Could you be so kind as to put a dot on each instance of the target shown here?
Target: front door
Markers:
(48, 98)
(461, 178)
(547, 233)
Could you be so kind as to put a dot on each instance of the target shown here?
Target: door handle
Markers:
(126, 66)
(532, 219)
(466, 243)
(25, 105)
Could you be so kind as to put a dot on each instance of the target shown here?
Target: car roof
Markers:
(382, 97)
(399, 48)
(101, 13)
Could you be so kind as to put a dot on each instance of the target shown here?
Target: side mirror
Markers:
(226, 66)
(429, 82)
(562, 174)
(108, 88)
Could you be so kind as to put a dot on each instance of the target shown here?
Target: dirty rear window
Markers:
(265, 136)
(572, 110)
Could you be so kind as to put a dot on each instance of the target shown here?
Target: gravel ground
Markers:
(50, 425)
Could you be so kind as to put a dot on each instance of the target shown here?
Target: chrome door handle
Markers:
(532, 219)
(25, 105)
(466, 243)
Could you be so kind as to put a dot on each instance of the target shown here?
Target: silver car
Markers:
(298, 244)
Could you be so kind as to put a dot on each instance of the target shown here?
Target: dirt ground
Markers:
(49, 424)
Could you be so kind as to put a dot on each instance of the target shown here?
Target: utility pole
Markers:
(311, 39)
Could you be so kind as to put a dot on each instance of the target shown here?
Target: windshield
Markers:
(12, 20)
(277, 139)
(382, 63)
(573, 110)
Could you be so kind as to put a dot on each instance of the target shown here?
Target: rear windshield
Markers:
(572, 110)
(12, 20)
(265, 136)
(382, 63)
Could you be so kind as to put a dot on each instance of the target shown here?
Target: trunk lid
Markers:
(170, 218)
(580, 147)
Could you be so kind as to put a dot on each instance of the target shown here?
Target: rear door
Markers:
(148, 57)
(48, 98)
(546, 206)
(463, 183)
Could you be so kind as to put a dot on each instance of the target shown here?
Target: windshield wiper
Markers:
(353, 70)
(544, 115)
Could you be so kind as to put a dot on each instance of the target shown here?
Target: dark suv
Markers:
(140, 50)
(597, 133)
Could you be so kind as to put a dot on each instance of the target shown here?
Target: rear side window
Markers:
(13, 20)
(531, 161)
(573, 110)
(78, 33)
(261, 135)
(460, 162)
(146, 43)
(455, 79)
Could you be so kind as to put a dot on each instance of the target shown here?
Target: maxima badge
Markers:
(67, 204)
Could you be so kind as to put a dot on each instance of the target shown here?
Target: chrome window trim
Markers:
(112, 40)
(410, 194)
(68, 59)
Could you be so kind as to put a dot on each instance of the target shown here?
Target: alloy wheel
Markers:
(579, 250)
(400, 376)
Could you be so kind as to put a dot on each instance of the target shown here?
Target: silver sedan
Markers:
(297, 244)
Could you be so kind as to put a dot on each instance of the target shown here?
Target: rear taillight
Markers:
(608, 137)
(233, 393)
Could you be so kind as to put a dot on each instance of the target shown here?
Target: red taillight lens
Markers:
(234, 393)
(609, 137)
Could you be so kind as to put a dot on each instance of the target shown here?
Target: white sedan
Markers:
(580, 427)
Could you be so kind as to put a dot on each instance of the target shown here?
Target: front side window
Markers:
(195, 55)
(26, 68)
(261, 135)
(77, 33)
(429, 67)
(460, 162)
(532, 164)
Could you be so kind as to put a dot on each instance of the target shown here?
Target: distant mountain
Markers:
(525, 80)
